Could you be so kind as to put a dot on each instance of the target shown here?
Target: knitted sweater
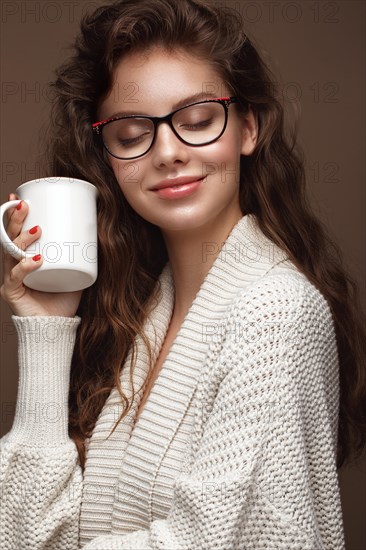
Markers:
(235, 448)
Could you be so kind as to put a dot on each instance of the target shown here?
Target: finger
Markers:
(16, 220)
(23, 241)
(12, 197)
(13, 282)
(27, 237)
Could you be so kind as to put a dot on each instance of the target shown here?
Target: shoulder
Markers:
(282, 294)
(282, 319)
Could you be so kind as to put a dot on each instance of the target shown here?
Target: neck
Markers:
(192, 254)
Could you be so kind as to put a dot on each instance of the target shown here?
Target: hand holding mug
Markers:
(51, 273)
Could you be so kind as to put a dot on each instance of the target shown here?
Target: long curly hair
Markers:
(132, 252)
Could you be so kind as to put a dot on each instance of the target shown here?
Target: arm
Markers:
(41, 479)
(262, 471)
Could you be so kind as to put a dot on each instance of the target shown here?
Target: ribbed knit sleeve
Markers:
(41, 480)
(262, 468)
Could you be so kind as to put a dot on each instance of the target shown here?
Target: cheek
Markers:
(223, 156)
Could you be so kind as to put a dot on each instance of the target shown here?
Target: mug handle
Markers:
(10, 247)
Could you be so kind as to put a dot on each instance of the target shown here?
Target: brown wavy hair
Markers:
(132, 252)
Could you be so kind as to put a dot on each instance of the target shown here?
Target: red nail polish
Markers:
(33, 230)
(19, 205)
(36, 258)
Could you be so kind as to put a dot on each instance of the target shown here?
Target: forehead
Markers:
(155, 80)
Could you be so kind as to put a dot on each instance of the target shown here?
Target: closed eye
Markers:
(198, 125)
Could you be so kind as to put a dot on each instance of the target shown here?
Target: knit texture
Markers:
(235, 447)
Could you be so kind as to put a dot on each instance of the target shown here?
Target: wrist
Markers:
(45, 348)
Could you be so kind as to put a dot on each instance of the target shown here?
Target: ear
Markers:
(249, 132)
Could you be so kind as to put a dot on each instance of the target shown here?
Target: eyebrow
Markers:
(181, 103)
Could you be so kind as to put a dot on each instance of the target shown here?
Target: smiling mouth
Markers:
(176, 182)
(181, 185)
(179, 191)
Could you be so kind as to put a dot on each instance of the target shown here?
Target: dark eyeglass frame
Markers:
(224, 101)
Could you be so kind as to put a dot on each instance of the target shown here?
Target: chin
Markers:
(183, 223)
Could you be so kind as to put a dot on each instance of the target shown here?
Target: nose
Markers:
(167, 148)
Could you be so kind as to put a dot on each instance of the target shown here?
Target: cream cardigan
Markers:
(235, 448)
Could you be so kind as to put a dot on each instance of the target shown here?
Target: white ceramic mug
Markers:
(66, 211)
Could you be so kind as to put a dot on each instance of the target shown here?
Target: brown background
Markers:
(316, 49)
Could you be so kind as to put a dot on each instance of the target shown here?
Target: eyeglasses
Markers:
(197, 124)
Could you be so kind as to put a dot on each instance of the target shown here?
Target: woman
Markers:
(216, 370)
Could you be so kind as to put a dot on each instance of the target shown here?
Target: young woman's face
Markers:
(152, 84)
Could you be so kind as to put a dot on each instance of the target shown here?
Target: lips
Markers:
(173, 182)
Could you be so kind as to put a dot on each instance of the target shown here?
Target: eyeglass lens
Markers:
(195, 124)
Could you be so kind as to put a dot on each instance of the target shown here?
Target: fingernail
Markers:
(19, 205)
(37, 257)
(33, 230)
(9, 197)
